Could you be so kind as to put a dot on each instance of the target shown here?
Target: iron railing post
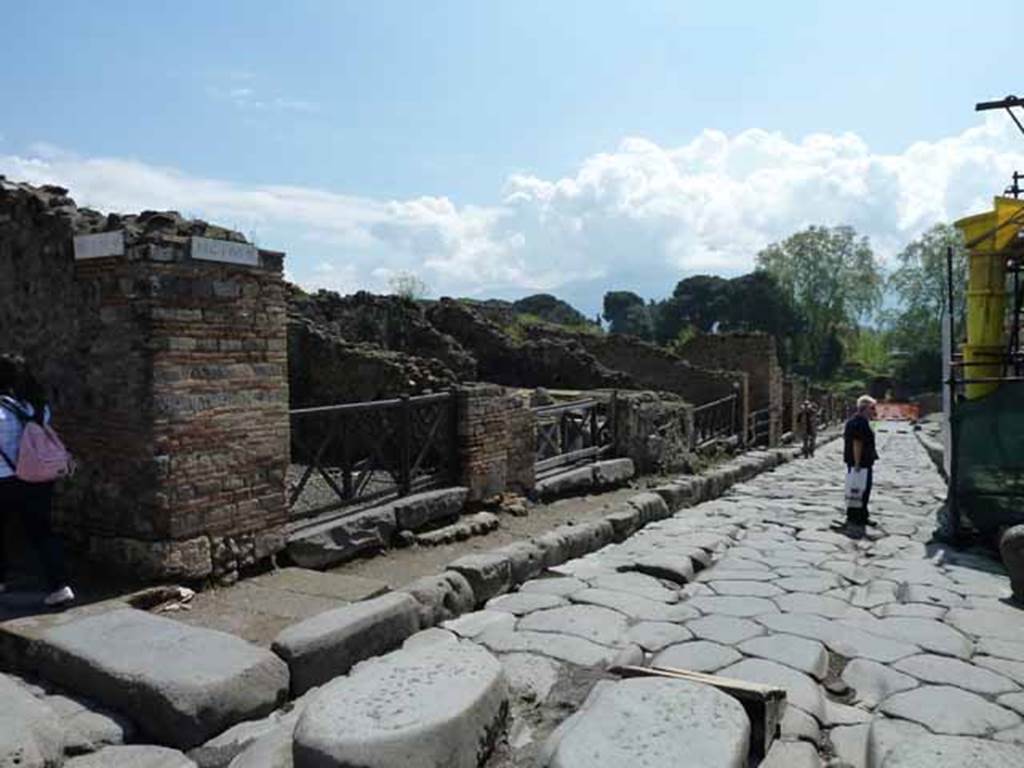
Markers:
(404, 439)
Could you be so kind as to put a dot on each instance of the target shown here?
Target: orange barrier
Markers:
(898, 411)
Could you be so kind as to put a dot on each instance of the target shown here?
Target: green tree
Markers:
(833, 279)
(626, 313)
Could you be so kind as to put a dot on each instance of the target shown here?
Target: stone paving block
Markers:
(878, 592)
(846, 640)
(797, 652)
(636, 584)
(728, 630)
(1013, 735)
(470, 625)
(488, 573)
(531, 676)
(181, 684)
(613, 473)
(697, 656)
(1004, 649)
(422, 509)
(325, 646)
(570, 648)
(429, 636)
(885, 733)
(798, 725)
(132, 757)
(873, 682)
(440, 597)
(842, 714)
(654, 635)
(634, 606)
(850, 743)
(561, 585)
(818, 605)
(992, 624)
(651, 722)
(520, 603)
(744, 588)
(801, 690)
(591, 622)
(791, 754)
(1014, 701)
(930, 635)
(952, 711)
(1011, 669)
(953, 752)
(31, 734)
(929, 668)
(917, 593)
(912, 610)
(437, 706)
(677, 568)
(733, 606)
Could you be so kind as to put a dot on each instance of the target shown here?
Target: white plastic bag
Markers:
(856, 483)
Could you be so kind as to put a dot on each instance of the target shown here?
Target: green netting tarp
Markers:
(989, 436)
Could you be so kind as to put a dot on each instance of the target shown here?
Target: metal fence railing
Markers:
(348, 454)
(759, 427)
(713, 421)
(571, 432)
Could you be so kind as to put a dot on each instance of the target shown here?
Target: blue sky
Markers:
(506, 147)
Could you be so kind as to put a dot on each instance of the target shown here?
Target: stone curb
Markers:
(600, 476)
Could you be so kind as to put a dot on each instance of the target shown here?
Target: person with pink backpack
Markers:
(32, 459)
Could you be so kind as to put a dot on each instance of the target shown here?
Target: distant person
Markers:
(22, 400)
(807, 423)
(859, 453)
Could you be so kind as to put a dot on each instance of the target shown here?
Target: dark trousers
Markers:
(33, 503)
(860, 516)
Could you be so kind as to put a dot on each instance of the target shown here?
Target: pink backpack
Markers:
(42, 457)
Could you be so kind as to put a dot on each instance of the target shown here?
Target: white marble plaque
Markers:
(208, 249)
(99, 245)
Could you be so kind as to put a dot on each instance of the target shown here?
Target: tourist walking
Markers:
(860, 455)
(807, 422)
(22, 401)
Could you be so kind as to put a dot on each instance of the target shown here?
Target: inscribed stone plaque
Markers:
(99, 245)
(208, 249)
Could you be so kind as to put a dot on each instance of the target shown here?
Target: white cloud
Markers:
(643, 213)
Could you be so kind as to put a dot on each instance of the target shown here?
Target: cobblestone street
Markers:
(890, 649)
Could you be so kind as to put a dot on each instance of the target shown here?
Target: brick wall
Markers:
(168, 378)
(483, 439)
(521, 452)
(753, 353)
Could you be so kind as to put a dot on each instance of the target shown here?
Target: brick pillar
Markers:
(522, 446)
(483, 437)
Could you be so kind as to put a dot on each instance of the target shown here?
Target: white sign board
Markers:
(227, 251)
(99, 245)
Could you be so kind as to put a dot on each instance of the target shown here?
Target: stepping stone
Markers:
(733, 606)
(942, 669)
(652, 636)
(799, 653)
(791, 754)
(531, 676)
(31, 733)
(953, 752)
(563, 586)
(470, 625)
(325, 646)
(727, 630)
(638, 608)
(697, 656)
(818, 605)
(930, 635)
(591, 622)
(519, 603)
(636, 584)
(132, 757)
(952, 711)
(873, 682)
(436, 706)
(652, 722)
(744, 588)
(181, 684)
(844, 640)
(570, 648)
(801, 690)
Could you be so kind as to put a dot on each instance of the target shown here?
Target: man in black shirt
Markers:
(859, 453)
